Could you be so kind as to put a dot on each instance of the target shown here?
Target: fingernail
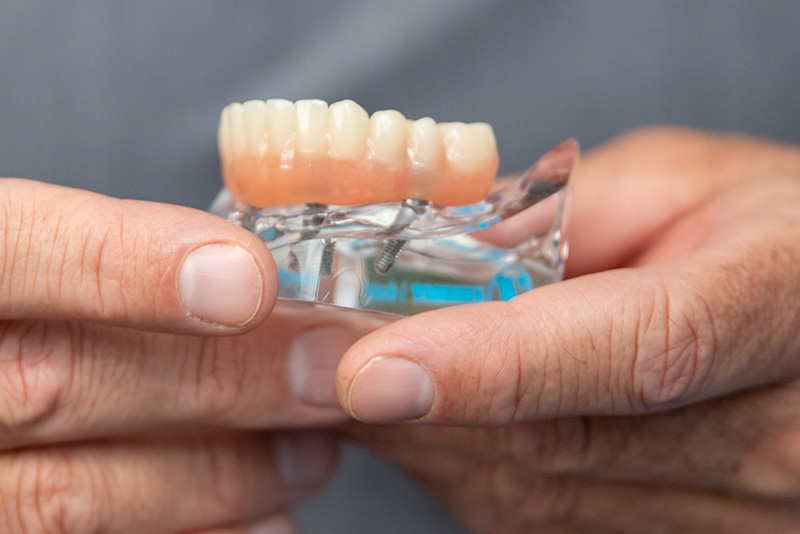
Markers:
(279, 524)
(390, 389)
(313, 359)
(305, 459)
(221, 284)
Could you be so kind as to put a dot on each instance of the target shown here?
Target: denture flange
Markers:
(276, 152)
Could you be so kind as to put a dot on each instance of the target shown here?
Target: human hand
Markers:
(137, 371)
(657, 390)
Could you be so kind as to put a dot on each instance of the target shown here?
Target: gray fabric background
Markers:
(124, 98)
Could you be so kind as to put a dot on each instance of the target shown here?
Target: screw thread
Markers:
(388, 254)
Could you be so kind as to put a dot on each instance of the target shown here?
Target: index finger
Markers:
(69, 254)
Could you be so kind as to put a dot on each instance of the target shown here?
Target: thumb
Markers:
(70, 254)
(618, 342)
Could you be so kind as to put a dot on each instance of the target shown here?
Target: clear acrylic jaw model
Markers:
(411, 256)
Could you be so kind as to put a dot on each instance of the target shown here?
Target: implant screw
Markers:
(388, 255)
(313, 218)
(409, 212)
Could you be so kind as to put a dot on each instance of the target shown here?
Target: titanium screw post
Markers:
(409, 212)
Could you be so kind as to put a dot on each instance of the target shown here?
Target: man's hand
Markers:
(136, 367)
(658, 389)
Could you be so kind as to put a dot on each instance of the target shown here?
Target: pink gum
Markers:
(271, 181)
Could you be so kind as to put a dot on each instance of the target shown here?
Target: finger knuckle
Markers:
(35, 374)
(528, 498)
(773, 470)
(674, 349)
(220, 373)
(49, 491)
(227, 490)
(57, 252)
(552, 445)
(100, 281)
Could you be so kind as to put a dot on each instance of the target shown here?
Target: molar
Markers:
(465, 144)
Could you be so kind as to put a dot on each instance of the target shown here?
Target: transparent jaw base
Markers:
(407, 257)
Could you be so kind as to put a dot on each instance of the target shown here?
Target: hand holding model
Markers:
(655, 390)
(126, 402)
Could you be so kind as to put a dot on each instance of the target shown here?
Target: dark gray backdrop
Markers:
(123, 98)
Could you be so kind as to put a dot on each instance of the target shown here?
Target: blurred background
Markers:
(124, 98)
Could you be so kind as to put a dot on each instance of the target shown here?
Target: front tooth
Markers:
(255, 124)
(237, 140)
(467, 144)
(349, 125)
(280, 116)
(423, 147)
(388, 134)
(311, 127)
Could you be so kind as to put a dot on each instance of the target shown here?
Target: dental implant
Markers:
(410, 211)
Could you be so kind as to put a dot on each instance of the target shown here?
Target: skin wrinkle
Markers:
(56, 294)
(98, 264)
(676, 356)
(714, 346)
(5, 224)
(612, 383)
(516, 354)
(603, 351)
(200, 378)
(225, 493)
(22, 258)
(97, 260)
(667, 311)
(84, 343)
(12, 262)
(23, 382)
(545, 359)
(53, 476)
(218, 389)
(685, 366)
(538, 360)
(100, 486)
(32, 407)
(493, 350)
(638, 334)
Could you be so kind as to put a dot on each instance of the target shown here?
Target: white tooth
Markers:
(349, 125)
(280, 124)
(467, 144)
(255, 122)
(423, 147)
(237, 140)
(311, 127)
(387, 137)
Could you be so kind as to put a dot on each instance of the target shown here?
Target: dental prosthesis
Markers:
(384, 214)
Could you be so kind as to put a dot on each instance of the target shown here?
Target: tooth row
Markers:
(343, 130)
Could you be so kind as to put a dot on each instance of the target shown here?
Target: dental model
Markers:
(277, 152)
